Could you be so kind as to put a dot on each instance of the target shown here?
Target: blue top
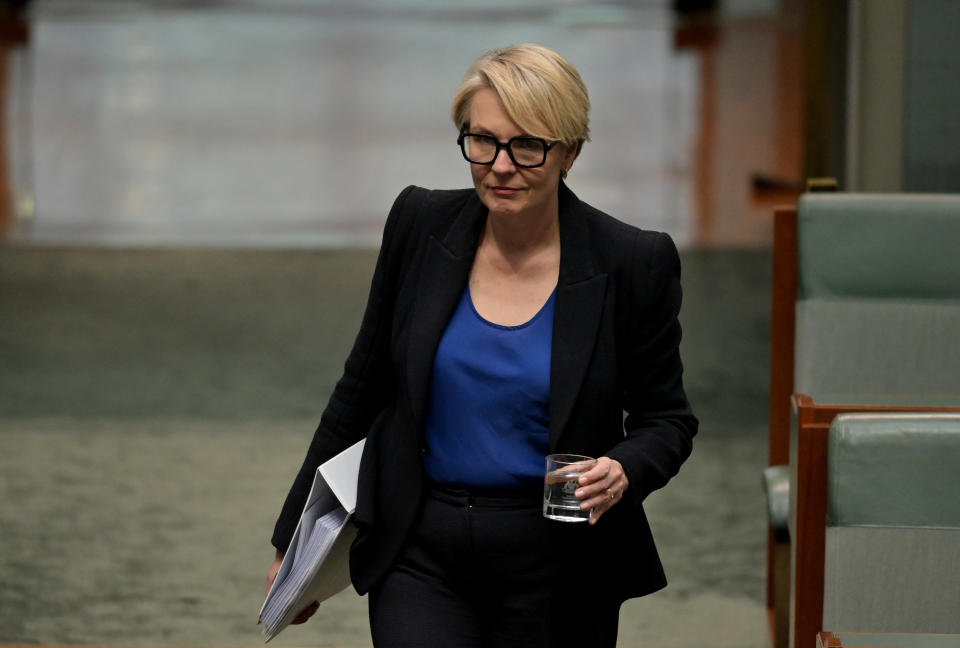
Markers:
(488, 416)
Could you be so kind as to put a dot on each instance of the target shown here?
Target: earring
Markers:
(563, 174)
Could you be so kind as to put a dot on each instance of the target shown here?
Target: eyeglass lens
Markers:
(525, 151)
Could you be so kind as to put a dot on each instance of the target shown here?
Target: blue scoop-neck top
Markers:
(487, 423)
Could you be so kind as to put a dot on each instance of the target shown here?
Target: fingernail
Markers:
(578, 493)
(582, 480)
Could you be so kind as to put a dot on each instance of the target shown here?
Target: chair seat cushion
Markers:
(776, 486)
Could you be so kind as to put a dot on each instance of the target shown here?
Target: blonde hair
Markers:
(541, 92)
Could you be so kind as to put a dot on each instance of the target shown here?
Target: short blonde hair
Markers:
(539, 89)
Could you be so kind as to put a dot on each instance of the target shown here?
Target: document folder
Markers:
(315, 566)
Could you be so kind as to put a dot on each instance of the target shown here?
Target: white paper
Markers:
(316, 566)
(340, 473)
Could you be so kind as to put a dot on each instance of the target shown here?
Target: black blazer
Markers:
(615, 350)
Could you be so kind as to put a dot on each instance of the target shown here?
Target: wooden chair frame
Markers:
(830, 640)
(782, 330)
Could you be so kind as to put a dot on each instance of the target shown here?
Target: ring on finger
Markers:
(612, 494)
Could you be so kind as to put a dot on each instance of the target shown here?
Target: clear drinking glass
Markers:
(560, 484)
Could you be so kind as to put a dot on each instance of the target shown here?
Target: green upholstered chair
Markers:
(878, 298)
(892, 561)
(866, 315)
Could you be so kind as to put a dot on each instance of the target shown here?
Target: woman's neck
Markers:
(514, 235)
(521, 248)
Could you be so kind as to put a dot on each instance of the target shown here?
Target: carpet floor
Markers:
(155, 404)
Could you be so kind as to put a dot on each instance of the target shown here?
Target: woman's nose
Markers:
(502, 163)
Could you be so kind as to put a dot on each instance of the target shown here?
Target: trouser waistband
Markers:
(530, 495)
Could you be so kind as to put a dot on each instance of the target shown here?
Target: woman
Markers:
(506, 322)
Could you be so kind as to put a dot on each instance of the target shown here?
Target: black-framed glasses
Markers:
(524, 151)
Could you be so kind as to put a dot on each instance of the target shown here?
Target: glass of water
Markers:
(560, 484)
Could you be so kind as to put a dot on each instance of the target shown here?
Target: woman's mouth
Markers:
(504, 191)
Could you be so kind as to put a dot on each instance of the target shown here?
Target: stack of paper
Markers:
(315, 566)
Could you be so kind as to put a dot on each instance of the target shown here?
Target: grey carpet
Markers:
(154, 405)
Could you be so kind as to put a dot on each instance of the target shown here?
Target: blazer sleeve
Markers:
(659, 424)
(367, 382)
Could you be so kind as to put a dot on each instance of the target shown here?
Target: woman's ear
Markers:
(568, 157)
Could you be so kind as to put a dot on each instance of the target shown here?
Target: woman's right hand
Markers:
(308, 611)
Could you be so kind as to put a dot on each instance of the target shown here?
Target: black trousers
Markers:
(483, 571)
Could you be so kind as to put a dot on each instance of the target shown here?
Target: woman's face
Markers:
(503, 187)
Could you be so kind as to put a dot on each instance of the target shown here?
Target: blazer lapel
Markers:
(443, 275)
(578, 308)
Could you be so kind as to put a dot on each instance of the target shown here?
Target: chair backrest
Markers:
(892, 554)
(878, 298)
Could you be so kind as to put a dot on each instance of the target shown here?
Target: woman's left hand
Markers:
(602, 486)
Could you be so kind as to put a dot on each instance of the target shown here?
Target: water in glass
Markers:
(559, 486)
